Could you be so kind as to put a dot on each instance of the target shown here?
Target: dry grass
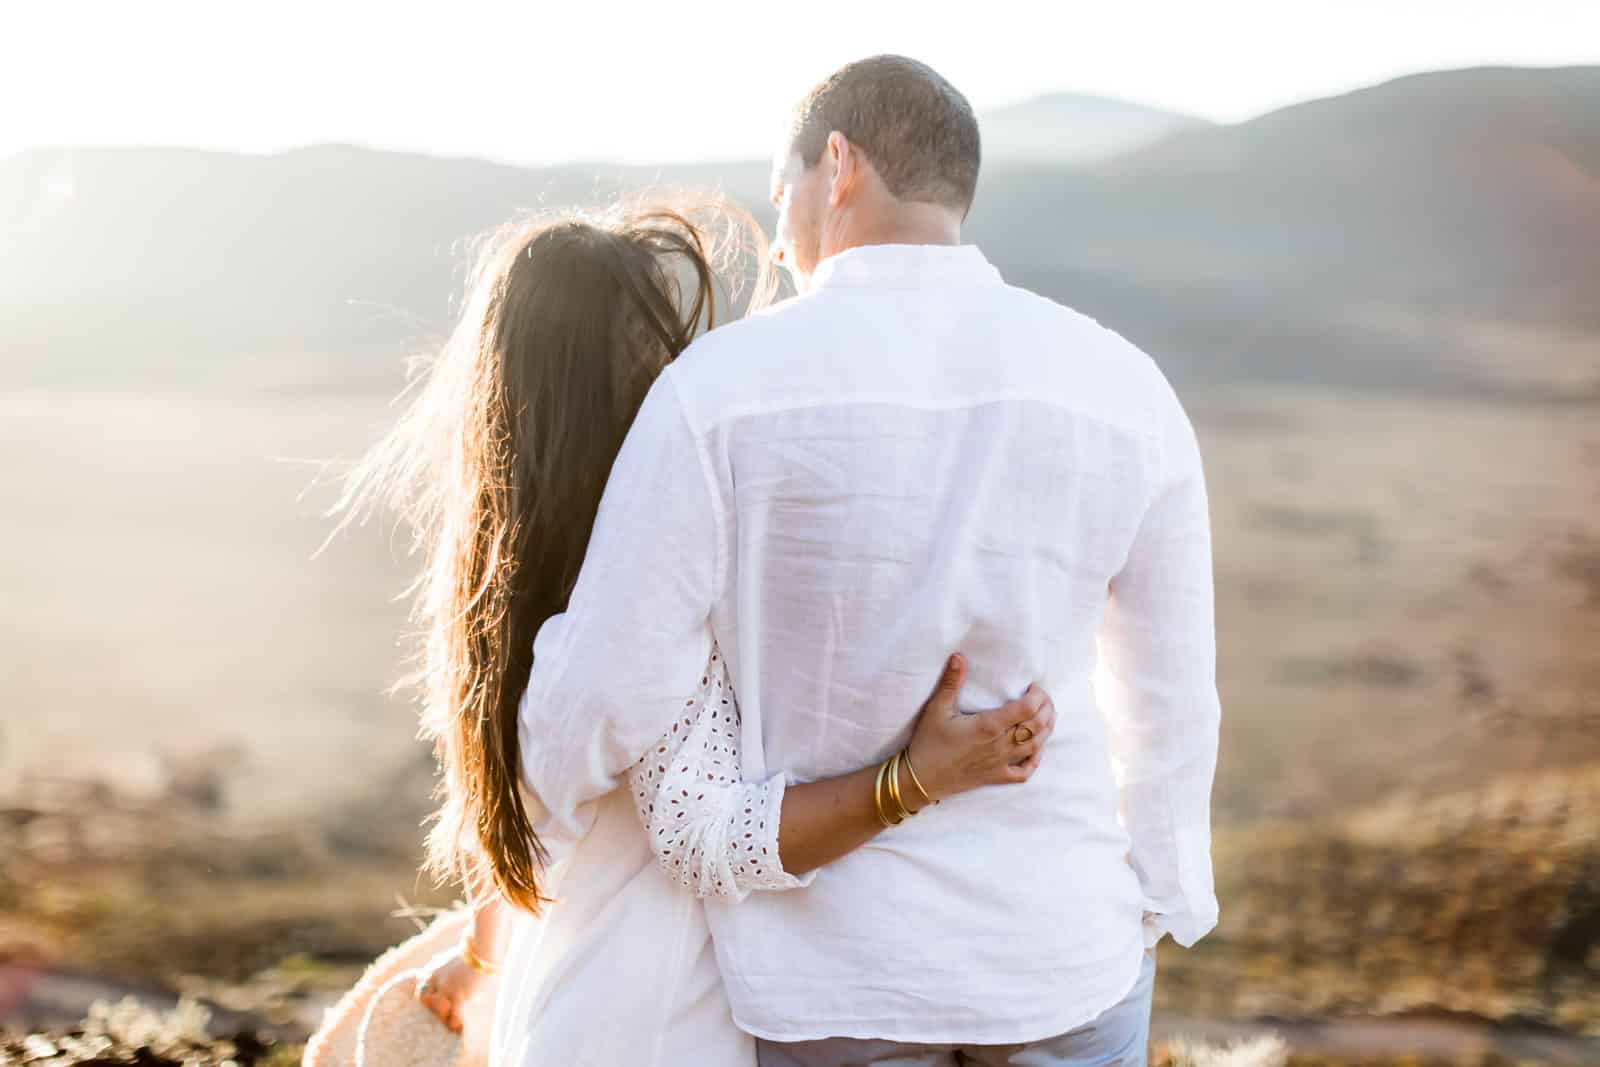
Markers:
(1483, 903)
(129, 1032)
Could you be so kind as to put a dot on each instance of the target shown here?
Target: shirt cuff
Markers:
(764, 871)
(1186, 928)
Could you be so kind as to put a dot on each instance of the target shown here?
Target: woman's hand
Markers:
(953, 752)
(447, 986)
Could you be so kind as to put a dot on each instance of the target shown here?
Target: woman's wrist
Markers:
(926, 784)
(925, 798)
(473, 957)
(898, 792)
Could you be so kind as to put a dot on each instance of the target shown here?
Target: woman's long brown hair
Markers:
(498, 465)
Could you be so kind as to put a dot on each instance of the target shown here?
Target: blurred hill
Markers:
(1357, 239)
(1075, 128)
(1363, 239)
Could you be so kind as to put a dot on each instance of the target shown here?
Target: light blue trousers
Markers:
(1117, 1037)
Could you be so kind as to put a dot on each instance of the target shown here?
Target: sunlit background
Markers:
(537, 83)
(1362, 238)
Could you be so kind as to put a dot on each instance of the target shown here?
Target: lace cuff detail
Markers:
(711, 832)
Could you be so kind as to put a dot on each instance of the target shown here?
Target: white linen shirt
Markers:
(914, 458)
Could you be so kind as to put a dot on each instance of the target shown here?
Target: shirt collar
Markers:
(906, 267)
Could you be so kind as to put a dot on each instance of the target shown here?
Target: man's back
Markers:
(915, 459)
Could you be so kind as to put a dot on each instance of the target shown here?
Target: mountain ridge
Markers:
(1247, 252)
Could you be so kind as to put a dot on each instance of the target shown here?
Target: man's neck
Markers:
(906, 224)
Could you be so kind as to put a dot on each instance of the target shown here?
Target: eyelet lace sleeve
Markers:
(711, 832)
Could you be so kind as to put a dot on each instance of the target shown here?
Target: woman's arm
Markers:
(951, 753)
(720, 836)
(456, 977)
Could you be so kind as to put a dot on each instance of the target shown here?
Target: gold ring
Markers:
(1021, 734)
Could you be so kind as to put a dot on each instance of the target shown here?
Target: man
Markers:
(912, 458)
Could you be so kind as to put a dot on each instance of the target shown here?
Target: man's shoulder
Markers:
(785, 323)
(1047, 347)
(1074, 327)
(726, 364)
(1093, 349)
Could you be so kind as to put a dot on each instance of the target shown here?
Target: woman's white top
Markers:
(620, 970)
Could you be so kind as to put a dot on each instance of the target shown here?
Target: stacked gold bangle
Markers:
(469, 955)
(895, 812)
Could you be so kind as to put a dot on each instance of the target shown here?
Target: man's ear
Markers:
(842, 164)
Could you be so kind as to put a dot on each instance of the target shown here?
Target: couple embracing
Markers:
(687, 594)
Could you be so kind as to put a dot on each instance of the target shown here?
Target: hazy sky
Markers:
(535, 82)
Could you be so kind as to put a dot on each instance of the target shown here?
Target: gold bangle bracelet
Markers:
(469, 956)
(894, 789)
(894, 795)
(877, 795)
(905, 758)
(897, 812)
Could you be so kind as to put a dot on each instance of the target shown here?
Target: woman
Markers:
(499, 465)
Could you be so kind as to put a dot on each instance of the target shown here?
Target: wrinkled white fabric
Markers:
(914, 458)
(619, 971)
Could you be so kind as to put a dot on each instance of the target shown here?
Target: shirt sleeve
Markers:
(1157, 687)
(712, 833)
(613, 673)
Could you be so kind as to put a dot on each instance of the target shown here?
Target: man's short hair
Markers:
(916, 129)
